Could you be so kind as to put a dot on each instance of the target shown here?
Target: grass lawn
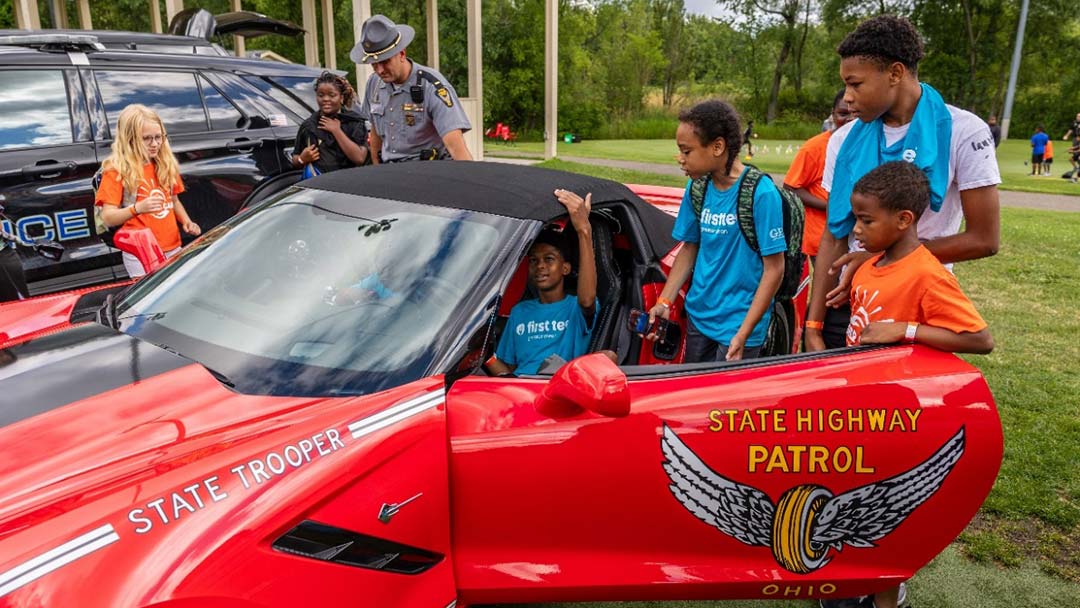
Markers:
(1024, 547)
(775, 156)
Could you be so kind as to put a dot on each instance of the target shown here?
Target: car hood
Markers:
(89, 404)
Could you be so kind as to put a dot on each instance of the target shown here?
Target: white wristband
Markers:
(909, 333)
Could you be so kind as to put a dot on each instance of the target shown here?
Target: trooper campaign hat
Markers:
(381, 39)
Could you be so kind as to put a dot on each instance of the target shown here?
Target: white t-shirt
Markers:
(972, 164)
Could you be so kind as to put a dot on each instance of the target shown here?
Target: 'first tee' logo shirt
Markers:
(727, 271)
(536, 330)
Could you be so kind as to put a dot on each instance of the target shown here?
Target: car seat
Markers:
(609, 283)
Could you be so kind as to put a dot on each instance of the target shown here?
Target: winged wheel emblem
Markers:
(808, 520)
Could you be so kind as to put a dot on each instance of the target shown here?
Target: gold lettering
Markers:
(763, 416)
(797, 452)
(859, 468)
(877, 420)
(778, 421)
(747, 421)
(771, 589)
(836, 463)
(789, 590)
(716, 417)
(827, 588)
(855, 420)
(897, 421)
(913, 415)
(731, 420)
(819, 454)
(777, 461)
(804, 420)
(836, 420)
(758, 454)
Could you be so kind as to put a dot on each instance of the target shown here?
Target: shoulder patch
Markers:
(444, 95)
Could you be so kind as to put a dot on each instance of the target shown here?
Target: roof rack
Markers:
(54, 42)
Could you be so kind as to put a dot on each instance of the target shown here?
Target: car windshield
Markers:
(318, 293)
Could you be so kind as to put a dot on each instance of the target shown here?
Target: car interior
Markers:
(622, 268)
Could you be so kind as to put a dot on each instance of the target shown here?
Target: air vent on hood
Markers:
(330, 544)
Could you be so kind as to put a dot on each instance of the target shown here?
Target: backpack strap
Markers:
(745, 206)
(697, 193)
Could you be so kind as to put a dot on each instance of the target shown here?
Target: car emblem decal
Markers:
(388, 511)
(56, 558)
(808, 519)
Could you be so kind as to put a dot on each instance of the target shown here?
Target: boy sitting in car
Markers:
(555, 323)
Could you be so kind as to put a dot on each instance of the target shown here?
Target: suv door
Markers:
(47, 158)
(218, 146)
(822, 475)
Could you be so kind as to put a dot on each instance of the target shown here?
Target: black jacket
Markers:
(331, 156)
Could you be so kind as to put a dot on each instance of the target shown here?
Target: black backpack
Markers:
(781, 328)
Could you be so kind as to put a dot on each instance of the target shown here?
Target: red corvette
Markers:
(240, 429)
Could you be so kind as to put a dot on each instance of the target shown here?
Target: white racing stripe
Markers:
(397, 413)
(59, 557)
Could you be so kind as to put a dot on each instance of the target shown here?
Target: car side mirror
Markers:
(50, 250)
(592, 382)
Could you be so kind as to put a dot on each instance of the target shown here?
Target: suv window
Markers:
(33, 109)
(299, 110)
(173, 95)
(223, 114)
(303, 88)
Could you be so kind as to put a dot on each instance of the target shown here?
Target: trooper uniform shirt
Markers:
(405, 126)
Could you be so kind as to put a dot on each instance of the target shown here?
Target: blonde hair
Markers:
(129, 155)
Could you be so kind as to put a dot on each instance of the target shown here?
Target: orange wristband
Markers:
(815, 325)
(664, 302)
(134, 213)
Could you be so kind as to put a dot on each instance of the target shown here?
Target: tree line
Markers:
(626, 66)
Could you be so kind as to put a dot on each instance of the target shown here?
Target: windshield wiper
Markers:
(150, 316)
(220, 377)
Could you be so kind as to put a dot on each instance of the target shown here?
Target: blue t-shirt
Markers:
(727, 272)
(1038, 141)
(536, 330)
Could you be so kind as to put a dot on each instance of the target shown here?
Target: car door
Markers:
(821, 475)
(217, 145)
(46, 160)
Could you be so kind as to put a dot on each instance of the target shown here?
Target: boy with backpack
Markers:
(732, 224)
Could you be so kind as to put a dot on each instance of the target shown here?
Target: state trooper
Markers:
(415, 114)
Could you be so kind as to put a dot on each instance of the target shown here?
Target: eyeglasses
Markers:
(150, 139)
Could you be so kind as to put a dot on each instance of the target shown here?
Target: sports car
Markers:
(255, 424)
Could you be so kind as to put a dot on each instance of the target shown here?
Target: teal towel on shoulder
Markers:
(927, 144)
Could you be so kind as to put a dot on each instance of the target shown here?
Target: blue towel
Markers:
(927, 144)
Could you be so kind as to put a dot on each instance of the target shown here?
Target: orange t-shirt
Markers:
(1049, 152)
(163, 223)
(916, 288)
(805, 172)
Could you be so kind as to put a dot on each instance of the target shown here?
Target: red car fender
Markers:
(191, 448)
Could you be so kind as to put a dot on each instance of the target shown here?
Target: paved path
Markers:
(1009, 198)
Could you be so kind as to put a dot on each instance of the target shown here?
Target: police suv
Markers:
(231, 124)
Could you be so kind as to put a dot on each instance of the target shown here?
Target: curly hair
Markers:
(883, 40)
(716, 119)
(898, 185)
(348, 95)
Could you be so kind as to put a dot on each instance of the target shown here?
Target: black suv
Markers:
(231, 124)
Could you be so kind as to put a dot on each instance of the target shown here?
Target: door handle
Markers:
(243, 145)
(49, 169)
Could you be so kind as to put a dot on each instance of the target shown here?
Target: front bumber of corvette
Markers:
(130, 477)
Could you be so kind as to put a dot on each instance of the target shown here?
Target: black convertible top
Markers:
(497, 188)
